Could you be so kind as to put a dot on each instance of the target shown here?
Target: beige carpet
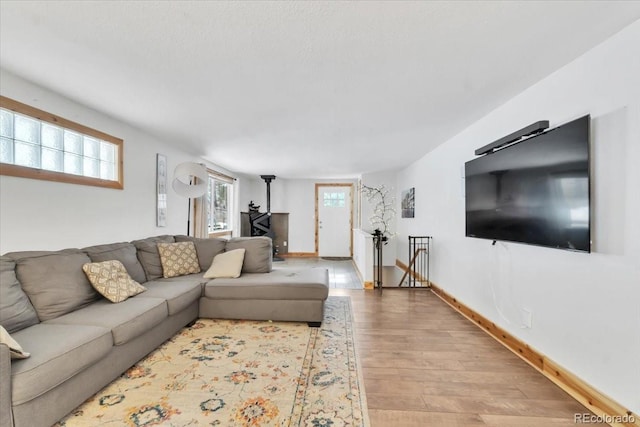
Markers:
(240, 373)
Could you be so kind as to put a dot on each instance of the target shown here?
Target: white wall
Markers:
(296, 196)
(44, 215)
(586, 307)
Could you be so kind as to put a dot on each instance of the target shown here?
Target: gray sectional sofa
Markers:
(79, 341)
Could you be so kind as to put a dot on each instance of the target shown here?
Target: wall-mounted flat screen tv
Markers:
(535, 191)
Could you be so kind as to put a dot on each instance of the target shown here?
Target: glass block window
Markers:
(334, 200)
(37, 144)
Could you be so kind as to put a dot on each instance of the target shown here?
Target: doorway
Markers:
(334, 220)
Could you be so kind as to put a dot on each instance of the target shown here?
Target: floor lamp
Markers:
(185, 185)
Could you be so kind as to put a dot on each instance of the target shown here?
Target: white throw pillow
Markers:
(226, 264)
(14, 348)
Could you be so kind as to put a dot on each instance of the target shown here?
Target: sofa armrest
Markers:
(6, 415)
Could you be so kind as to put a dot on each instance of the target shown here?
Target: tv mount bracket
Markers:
(532, 129)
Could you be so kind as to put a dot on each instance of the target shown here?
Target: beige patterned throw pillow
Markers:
(111, 280)
(178, 259)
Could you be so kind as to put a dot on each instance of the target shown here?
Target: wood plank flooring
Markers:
(425, 365)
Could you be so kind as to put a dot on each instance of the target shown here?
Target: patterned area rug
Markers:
(240, 373)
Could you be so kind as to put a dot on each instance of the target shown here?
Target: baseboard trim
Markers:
(601, 405)
(365, 284)
(299, 255)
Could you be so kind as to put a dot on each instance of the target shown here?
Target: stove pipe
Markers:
(268, 179)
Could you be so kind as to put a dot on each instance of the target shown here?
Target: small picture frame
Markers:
(408, 203)
(161, 190)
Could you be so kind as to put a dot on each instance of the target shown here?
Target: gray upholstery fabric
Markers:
(148, 255)
(126, 320)
(258, 309)
(6, 415)
(16, 311)
(58, 352)
(258, 257)
(178, 293)
(49, 407)
(195, 277)
(124, 252)
(205, 248)
(54, 281)
(309, 284)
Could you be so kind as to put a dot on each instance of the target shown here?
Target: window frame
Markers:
(217, 176)
(46, 175)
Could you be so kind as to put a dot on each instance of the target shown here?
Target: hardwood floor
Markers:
(426, 365)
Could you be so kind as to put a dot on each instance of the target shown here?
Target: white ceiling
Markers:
(300, 89)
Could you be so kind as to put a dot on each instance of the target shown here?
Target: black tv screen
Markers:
(535, 191)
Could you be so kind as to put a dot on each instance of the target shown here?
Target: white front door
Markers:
(334, 221)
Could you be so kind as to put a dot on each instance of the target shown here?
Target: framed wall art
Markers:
(161, 190)
(408, 203)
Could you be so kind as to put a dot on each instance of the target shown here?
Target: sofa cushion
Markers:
(197, 277)
(111, 280)
(149, 256)
(124, 252)
(258, 257)
(206, 249)
(226, 265)
(54, 281)
(178, 259)
(179, 294)
(125, 320)
(16, 311)
(58, 352)
(309, 284)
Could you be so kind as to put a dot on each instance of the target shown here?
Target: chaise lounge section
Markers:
(278, 295)
(79, 341)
